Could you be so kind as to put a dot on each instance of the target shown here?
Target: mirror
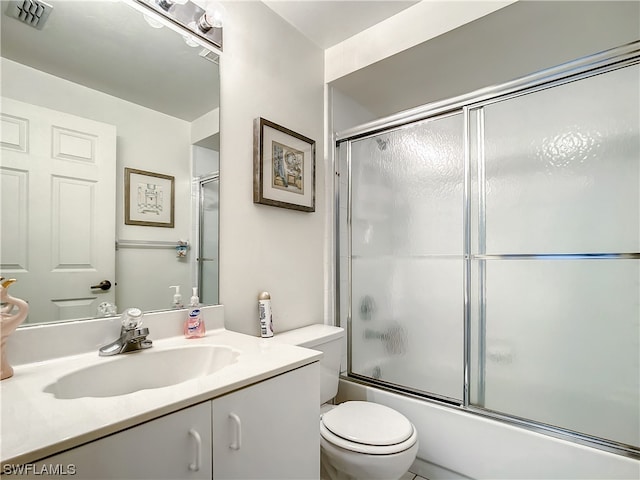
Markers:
(92, 93)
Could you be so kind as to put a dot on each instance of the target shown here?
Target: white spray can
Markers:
(264, 312)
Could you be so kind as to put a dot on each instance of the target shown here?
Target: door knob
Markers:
(103, 285)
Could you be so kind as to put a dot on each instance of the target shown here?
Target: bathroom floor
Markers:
(411, 476)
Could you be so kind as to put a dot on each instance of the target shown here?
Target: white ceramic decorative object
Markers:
(13, 313)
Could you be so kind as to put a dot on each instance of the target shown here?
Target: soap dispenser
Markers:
(177, 297)
(194, 324)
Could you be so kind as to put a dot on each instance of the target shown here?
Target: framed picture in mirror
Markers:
(284, 167)
(149, 198)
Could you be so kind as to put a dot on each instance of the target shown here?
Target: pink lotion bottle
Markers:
(194, 324)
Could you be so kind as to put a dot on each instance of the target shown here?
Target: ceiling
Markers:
(111, 38)
(328, 22)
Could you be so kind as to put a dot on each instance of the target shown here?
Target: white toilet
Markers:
(359, 440)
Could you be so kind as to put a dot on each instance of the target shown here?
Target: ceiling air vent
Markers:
(209, 55)
(32, 12)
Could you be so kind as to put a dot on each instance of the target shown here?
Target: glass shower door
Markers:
(556, 309)
(491, 257)
(406, 256)
(209, 196)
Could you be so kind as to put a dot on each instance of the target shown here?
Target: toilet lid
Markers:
(368, 423)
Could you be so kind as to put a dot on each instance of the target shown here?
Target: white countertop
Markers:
(35, 424)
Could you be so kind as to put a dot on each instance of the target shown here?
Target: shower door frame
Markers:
(200, 258)
(603, 62)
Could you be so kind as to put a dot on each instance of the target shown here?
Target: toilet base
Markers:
(339, 464)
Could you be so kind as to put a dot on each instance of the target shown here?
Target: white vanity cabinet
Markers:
(176, 446)
(269, 430)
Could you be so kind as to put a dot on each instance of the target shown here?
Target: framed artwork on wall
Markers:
(284, 167)
(149, 198)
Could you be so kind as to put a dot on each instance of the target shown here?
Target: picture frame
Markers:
(284, 167)
(149, 198)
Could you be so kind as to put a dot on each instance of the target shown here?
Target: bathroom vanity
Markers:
(254, 417)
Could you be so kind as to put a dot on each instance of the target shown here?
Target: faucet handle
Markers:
(131, 318)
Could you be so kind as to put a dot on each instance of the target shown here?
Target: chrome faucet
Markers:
(132, 337)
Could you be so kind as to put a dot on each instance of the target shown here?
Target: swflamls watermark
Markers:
(50, 469)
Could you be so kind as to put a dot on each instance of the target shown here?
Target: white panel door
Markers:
(58, 210)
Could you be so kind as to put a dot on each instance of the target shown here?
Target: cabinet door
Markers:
(177, 446)
(269, 430)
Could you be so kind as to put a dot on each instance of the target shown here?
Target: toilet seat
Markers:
(366, 427)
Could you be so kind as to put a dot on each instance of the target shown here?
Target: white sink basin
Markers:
(153, 368)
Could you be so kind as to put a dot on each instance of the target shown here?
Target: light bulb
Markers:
(213, 17)
(215, 14)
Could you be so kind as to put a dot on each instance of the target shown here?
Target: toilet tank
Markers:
(327, 339)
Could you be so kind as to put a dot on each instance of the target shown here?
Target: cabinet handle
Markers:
(195, 467)
(237, 443)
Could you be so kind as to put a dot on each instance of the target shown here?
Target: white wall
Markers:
(347, 113)
(268, 70)
(165, 149)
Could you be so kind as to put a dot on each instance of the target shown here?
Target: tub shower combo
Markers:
(489, 251)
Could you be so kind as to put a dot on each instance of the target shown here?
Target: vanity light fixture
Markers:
(167, 4)
(212, 17)
(198, 21)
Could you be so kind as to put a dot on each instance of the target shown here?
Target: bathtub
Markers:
(459, 444)
(553, 403)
